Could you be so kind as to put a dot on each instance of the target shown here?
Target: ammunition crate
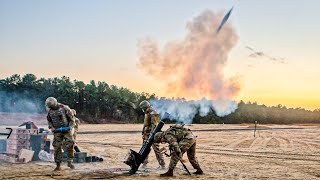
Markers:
(80, 155)
(79, 160)
(3, 145)
(89, 159)
(19, 136)
(20, 131)
(18, 142)
(11, 159)
(14, 150)
(33, 131)
(96, 159)
(47, 146)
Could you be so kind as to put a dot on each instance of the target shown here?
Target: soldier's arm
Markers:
(50, 125)
(70, 116)
(172, 141)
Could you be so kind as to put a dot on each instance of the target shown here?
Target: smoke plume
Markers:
(19, 102)
(16, 108)
(184, 111)
(192, 68)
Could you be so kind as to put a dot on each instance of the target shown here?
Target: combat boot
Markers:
(58, 168)
(70, 165)
(169, 173)
(199, 171)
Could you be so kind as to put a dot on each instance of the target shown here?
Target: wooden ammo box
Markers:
(35, 145)
(18, 139)
(80, 157)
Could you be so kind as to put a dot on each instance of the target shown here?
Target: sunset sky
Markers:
(97, 40)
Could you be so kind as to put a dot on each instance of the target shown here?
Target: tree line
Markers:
(99, 102)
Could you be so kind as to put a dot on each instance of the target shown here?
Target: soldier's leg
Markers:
(68, 140)
(193, 159)
(57, 145)
(192, 156)
(159, 156)
(184, 145)
(146, 161)
(76, 148)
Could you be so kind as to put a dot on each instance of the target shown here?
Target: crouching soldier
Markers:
(180, 140)
(60, 115)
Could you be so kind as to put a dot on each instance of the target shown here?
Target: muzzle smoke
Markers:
(193, 67)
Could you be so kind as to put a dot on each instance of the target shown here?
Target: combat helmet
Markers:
(51, 102)
(144, 105)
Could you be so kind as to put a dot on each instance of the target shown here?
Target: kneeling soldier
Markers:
(181, 140)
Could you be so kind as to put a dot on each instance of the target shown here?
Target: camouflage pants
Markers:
(58, 139)
(189, 146)
(156, 149)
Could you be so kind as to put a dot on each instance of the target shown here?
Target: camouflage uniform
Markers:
(77, 122)
(181, 140)
(62, 116)
(151, 119)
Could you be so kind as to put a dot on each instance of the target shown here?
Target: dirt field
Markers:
(229, 154)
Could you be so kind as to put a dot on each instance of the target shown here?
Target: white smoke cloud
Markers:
(184, 111)
(16, 108)
(18, 102)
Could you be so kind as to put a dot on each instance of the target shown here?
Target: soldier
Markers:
(76, 128)
(180, 140)
(151, 119)
(60, 115)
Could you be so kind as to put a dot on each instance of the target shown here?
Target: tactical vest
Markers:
(179, 132)
(58, 117)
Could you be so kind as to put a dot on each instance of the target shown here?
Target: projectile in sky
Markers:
(224, 20)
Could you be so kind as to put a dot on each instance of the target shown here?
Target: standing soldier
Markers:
(180, 140)
(60, 115)
(151, 119)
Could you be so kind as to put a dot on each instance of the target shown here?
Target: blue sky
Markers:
(98, 40)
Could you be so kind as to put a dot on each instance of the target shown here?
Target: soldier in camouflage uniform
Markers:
(76, 129)
(180, 140)
(151, 119)
(60, 115)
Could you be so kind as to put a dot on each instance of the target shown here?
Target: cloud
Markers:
(257, 54)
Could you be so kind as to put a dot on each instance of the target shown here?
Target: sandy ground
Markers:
(272, 154)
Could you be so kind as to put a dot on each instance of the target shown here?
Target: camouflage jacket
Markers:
(151, 119)
(175, 134)
(60, 117)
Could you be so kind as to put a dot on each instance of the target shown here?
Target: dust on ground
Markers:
(272, 154)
